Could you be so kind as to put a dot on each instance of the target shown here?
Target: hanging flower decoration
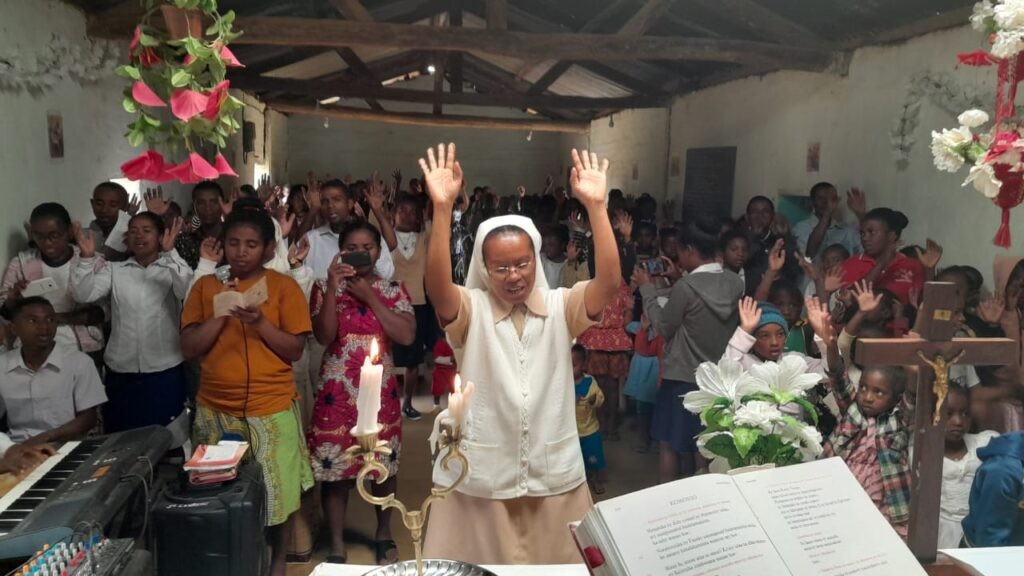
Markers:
(184, 71)
(994, 156)
(750, 417)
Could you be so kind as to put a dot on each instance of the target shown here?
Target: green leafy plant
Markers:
(188, 74)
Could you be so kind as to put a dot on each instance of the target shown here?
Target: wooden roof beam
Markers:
(506, 99)
(341, 33)
(497, 15)
(762, 21)
(421, 119)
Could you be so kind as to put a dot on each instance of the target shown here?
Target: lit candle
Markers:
(368, 400)
(458, 401)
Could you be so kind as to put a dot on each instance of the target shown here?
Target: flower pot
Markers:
(182, 22)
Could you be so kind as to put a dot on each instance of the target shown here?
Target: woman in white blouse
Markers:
(512, 337)
(959, 465)
(145, 378)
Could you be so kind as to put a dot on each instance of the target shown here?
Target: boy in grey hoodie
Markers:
(697, 321)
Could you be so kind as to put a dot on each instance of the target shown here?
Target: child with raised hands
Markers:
(872, 435)
(146, 376)
(761, 337)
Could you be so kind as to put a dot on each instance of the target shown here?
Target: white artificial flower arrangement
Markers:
(748, 414)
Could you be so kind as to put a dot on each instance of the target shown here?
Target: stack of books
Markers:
(215, 463)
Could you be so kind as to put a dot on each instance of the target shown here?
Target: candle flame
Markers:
(374, 351)
(457, 385)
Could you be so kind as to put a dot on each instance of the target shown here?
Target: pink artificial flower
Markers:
(215, 98)
(187, 103)
(144, 95)
(229, 58)
(977, 58)
(193, 169)
(148, 57)
(1003, 142)
(146, 166)
(135, 41)
(220, 164)
(188, 60)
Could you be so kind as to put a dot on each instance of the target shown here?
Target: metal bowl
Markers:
(431, 568)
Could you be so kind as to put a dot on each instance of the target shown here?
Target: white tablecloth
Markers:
(561, 570)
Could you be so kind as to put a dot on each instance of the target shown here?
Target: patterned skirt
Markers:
(276, 442)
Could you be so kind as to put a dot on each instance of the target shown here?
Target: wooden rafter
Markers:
(354, 10)
(455, 59)
(636, 26)
(420, 119)
(497, 14)
(507, 99)
(762, 21)
(342, 33)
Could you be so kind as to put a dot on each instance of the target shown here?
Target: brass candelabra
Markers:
(369, 448)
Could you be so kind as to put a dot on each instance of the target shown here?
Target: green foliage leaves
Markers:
(166, 66)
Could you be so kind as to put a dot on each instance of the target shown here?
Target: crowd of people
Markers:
(572, 309)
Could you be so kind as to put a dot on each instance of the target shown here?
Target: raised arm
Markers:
(589, 178)
(443, 177)
(375, 195)
(776, 260)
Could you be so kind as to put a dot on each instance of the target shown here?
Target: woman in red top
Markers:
(881, 262)
(608, 347)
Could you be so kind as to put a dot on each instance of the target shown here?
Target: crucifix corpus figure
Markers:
(933, 352)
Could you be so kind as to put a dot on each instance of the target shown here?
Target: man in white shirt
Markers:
(50, 393)
(337, 206)
(823, 228)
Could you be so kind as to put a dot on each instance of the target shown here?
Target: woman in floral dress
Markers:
(364, 307)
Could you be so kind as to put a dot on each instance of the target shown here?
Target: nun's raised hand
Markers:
(442, 174)
(589, 178)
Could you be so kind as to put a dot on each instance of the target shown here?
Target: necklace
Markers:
(406, 241)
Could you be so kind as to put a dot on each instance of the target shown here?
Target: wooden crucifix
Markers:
(935, 350)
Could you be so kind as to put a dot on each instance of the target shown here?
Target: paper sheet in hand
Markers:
(254, 297)
(115, 239)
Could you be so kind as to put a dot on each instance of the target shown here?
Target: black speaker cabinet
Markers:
(212, 531)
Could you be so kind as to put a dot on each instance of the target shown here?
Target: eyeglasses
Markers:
(503, 272)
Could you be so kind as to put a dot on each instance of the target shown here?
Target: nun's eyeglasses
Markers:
(503, 272)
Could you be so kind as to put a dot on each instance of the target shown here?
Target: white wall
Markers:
(94, 122)
(640, 138)
(771, 120)
(502, 159)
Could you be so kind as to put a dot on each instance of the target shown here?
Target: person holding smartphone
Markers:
(350, 308)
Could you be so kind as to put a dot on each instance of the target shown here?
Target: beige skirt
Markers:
(527, 530)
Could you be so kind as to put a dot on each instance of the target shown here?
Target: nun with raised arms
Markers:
(512, 336)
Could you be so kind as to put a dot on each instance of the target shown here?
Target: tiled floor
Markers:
(628, 471)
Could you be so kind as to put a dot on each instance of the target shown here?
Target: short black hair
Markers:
(113, 186)
(820, 186)
(51, 211)
(510, 230)
(782, 286)
(358, 225)
(406, 198)
(838, 248)
(18, 307)
(896, 375)
(207, 185)
(248, 191)
(559, 231)
(336, 183)
(894, 220)
(701, 234)
(957, 387)
(157, 221)
(763, 199)
(250, 212)
(734, 234)
(579, 349)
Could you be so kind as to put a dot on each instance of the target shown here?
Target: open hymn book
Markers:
(811, 519)
(228, 300)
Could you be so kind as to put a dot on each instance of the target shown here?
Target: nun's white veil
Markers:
(476, 278)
